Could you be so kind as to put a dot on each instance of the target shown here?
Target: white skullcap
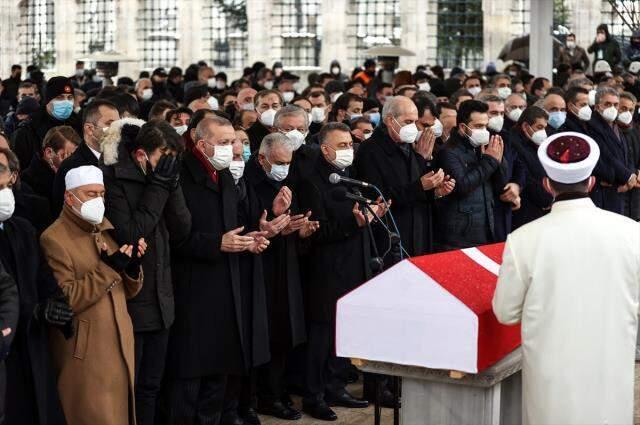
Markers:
(82, 176)
(569, 157)
(602, 66)
(634, 67)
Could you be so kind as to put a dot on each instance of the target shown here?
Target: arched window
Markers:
(157, 25)
(37, 34)
(374, 23)
(97, 25)
(299, 31)
(225, 33)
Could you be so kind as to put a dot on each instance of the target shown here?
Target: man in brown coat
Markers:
(95, 367)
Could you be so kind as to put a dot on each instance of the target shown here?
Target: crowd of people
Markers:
(179, 242)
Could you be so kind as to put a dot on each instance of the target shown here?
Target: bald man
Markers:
(556, 107)
(245, 98)
(398, 160)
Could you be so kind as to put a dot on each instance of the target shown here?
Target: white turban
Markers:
(83, 176)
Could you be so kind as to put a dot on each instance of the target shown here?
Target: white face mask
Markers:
(407, 133)
(625, 117)
(181, 129)
(610, 114)
(571, 44)
(366, 135)
(288, 96)
(474, 91)
(278, 172)
(504, 92)
(344, 158)
(437, 128)
(222, 156)
(539, 136)
(592, 97)
(335, 96)
(335, 70)
(213, 103)
(248, 107)
(211, 83)
(514, 114)
(220, 85)
(584, 113)
(266, 118)
(296, 138)
(317, 114)
(479, 137)
(424, 86)
(91, 211)
(146, 94)
(268, 84)
(7, 204)
(237, 169)
(496, 123)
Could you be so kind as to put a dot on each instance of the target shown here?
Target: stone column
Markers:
(430, 36)
(540, 43)
(496, 27)
(9, 34)
(190, 29)
(127, 38)
(335, 34)
(65, 16)
(413, 21)
(260, 42)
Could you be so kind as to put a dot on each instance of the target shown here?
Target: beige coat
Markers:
(572, 278)
(94, 368)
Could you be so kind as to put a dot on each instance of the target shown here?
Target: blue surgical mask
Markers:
(354, 116)
(557, 118)
(246, 153)
(374, 117)
(62, 109)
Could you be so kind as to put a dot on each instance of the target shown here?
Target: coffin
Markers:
(432, 311)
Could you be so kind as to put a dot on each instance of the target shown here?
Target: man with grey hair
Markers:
(626, 110)
(293, 122)
(285, 308)
(400, 163)
(220, 329)
(614, 176)
(514, 105)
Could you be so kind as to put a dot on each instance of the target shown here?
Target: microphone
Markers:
(341, 194)
(337, 178)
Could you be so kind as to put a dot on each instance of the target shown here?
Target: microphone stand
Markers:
(377, 266)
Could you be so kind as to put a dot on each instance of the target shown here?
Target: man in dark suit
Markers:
(578, 110)
(614, 177)
(98, 116)
(220, 328)
(472, 157)
(528, 133)
(341, 253)
(267, 103)
(32, 397)
(510, 179)
(401, 167)
(8, 318)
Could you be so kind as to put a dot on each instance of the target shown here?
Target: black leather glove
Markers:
(167, 172)
(133, 268)
(55, 311)
(117, 261)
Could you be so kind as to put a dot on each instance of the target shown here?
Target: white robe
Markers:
(572, 279)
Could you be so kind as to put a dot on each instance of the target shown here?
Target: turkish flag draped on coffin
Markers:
(432, 311)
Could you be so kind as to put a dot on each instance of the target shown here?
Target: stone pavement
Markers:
(345, 416)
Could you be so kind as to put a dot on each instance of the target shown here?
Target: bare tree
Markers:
(628, 11)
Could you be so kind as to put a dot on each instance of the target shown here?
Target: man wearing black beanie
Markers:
(58, 110)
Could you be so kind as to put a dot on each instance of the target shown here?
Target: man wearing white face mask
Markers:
(510, 179)
(628, 103)
(293, 122)
(267, 103)
(526, 136)
(219, 293)
(399, 165)
(472, 157)
(514, 104)
(614, 176)
(578, 110)
(97, 276)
